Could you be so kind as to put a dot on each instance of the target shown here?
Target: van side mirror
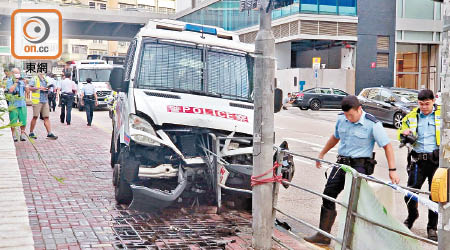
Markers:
(116, 79)
(278, 100)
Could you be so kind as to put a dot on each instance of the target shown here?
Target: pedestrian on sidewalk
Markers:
(51, 92)
(16, 86)
(39, 98)
(68, 91)
(424, 123)
(357, 132)
(89, 97)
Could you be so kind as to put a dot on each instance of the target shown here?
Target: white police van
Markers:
(182, 85)
(98, 71)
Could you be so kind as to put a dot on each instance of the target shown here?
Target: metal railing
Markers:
(79, 4)
(219, 163)
(351, 206)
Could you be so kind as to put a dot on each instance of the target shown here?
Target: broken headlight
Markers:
(141, 131)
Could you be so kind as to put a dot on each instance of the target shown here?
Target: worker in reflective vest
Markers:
(424, 123)
(39, 99)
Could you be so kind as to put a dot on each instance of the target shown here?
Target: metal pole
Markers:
(263, 129)
(19, 4)
(350, 219)
(444, 209)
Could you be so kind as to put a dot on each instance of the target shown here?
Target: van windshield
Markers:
(196, 70)
(97, 75)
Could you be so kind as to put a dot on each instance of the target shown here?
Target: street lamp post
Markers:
(263, 128)
(444, 159)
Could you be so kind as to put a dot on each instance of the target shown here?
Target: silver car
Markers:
(389, 105)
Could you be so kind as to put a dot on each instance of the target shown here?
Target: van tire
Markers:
(112, 151)
(127, 172)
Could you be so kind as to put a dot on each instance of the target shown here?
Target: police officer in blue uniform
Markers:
(357, 132)
(89, 100)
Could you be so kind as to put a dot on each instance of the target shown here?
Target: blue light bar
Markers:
(200, 29)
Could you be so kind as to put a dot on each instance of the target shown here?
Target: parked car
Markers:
(389, 105)
(317, 98)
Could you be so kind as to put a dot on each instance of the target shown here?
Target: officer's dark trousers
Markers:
(417, 175)
(89, 105)
(66, 106)
(335, 185)
(52, 102)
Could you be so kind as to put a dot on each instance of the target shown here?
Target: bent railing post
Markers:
(276, 188)
(351, 208)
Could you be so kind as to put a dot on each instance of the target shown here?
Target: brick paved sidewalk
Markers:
(79, 210)
(76, 212)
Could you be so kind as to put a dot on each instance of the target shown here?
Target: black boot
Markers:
(432, 234)
(413, 214)
(327, 218)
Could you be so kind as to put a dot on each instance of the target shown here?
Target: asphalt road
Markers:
(307, 132)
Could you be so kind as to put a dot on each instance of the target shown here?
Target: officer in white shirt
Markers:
(68, 91)
(89, 100)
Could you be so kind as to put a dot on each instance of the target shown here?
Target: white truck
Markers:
(98, 71)
(182, 86)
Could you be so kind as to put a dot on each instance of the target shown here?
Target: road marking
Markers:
(309, 143)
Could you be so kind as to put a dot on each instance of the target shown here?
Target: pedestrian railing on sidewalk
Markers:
(350, 205)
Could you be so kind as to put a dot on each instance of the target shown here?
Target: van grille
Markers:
(162, 95)
(238, 105)
(103, 93)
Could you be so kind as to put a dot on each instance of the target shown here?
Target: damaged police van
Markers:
(182, 86)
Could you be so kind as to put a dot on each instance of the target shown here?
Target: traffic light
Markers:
(281, 3)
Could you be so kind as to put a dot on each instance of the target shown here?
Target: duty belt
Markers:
(422, 156)
(352, 161)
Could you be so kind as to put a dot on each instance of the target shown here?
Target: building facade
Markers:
(361, 43)
(419, 28)
(303, 30)
(376, 44)
(76, 49)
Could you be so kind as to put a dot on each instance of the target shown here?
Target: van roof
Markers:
(181, 31)
(92, 64)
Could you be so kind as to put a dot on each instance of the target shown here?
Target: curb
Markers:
(15, 230)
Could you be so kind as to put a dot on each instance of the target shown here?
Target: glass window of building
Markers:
(407, 65)
(226, 13)
(328, 6)
(347, 7)
(416, 66)
(310, 6)
(399, 8)
(419, 9)
(437, 15)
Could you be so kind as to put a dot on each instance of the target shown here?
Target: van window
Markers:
(129, 60)
(189, 68)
